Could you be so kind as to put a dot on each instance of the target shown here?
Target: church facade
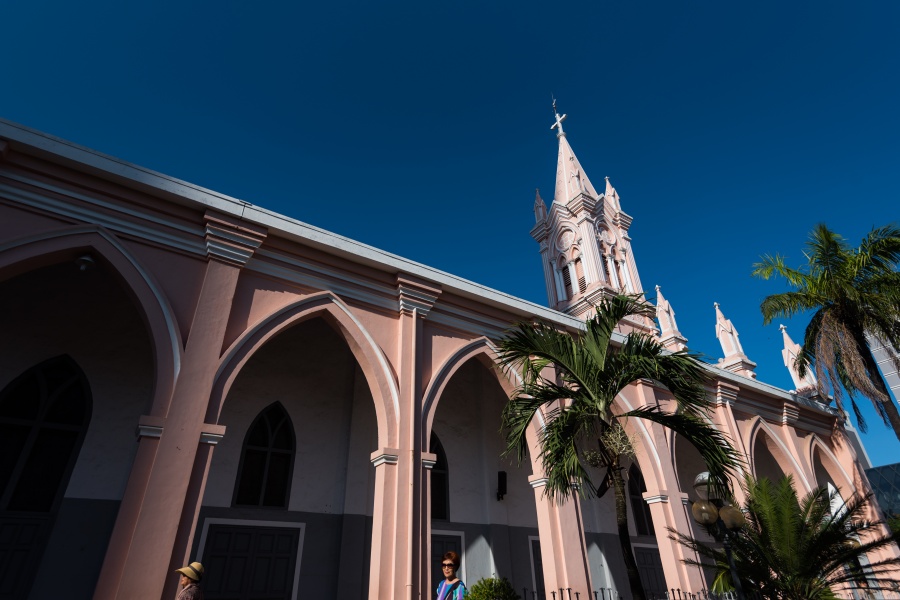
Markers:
(186, 376)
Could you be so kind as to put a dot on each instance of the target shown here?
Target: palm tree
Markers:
(855, 293)
(575, 380)
(792, 549)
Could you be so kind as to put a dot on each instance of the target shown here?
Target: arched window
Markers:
(579, 273)
(640, 511)
(267, 462)
(44, 414)
(567, 280)
(440, 483)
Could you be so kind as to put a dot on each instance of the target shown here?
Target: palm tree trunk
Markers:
(631, 568)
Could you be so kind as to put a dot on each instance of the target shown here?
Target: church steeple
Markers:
(585, 248)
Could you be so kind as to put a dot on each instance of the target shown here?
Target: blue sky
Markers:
(729, 130)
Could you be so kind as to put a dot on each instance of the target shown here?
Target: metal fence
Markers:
(678, 594)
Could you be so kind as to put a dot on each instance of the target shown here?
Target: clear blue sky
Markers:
(423, 128)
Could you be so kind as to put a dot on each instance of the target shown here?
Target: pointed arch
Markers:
(482, 350)
(832, 465)
(332, 309)
(782, 455)
(52, 247)
(649, 461)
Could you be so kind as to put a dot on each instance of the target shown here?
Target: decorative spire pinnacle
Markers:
(789, 354)
(735, 360)
(559, 120)
(669, 335)
(540, 209)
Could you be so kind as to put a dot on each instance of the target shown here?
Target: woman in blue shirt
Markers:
(451, 588)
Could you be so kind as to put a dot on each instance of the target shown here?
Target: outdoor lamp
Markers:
(732, 517)
(704, 512)
(722, 521)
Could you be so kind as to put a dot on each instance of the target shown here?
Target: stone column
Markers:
(403, 537)
(155, 524)
(563, 547)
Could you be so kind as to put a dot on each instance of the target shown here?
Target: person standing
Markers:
(451, 588)
(190, 577)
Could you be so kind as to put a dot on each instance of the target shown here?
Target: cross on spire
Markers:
(559, 120)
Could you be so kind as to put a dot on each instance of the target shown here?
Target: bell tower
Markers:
(583, 237)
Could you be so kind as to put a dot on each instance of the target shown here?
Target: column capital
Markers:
(385, 456)
(725, 393)
(231, 240)
(416, 295)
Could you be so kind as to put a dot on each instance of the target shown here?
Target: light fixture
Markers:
(85, 262)
(720, 520)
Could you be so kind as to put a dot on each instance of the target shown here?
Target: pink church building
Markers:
(187, 376)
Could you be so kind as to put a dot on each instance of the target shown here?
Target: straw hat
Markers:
(192, 571)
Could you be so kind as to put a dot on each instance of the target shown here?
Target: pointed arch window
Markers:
(640, 510)
(567, 280)
(579, 273)
(267, 460)
(44, 415)
(440, 482)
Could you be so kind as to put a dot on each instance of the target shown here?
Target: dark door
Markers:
(440, 545)
(538, 563)
(651, 571)
(250, 563)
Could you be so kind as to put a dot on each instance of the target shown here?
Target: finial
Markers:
(657, 288)
(716, 304)
(782, 327)
(559, 120)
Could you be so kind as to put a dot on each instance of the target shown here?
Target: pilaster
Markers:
(165, 488)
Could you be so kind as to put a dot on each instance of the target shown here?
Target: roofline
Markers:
(58, 151)
(65, 153)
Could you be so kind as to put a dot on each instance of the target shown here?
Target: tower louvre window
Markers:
(579, 273)
(567, 281)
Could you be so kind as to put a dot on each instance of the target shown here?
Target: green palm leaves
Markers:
(855, 296)
(798, 549)
(569, 382)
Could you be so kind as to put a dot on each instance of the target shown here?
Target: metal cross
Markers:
(559, 120)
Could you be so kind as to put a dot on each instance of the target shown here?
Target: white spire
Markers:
(571, 180)
(735, 360)
(669, 335)
(790, 352)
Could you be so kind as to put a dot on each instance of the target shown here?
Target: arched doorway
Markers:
(493, 527)
(290, 493)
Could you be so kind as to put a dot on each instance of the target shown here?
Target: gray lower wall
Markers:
(607, 564)
(336, 548)
(494, 550)
(74, 554)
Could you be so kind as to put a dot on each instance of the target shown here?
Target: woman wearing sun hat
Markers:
(190, 576)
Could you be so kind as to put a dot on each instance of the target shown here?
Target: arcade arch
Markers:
(50, 307)
(308, 389)
(464, 405)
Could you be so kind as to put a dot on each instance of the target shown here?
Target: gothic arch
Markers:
(484, 352)
(480, 349)
(831, 465)
(326, 305)
(31, 252)
(649, 461)
(780, 452)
